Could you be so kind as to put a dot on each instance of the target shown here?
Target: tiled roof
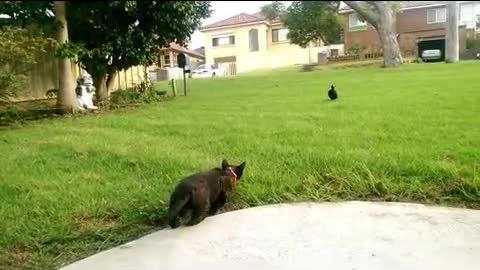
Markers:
(177, 48)
(237, 19)
(406, 4)
(200, 50)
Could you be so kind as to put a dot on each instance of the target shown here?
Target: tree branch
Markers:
(376, 4)
(368, 15)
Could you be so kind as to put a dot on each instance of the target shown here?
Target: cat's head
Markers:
(237, 171)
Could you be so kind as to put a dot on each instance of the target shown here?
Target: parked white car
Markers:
(433, 54)
(205, 70)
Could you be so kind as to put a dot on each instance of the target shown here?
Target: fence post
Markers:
(174, 87)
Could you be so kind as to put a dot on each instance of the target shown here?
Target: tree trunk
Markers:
(392, 56)
(111, 81)
(66, 99)
(100, 83)
(451, 39)
(103, 83)
(382, 17)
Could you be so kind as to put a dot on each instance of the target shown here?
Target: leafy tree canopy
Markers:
(307, 20)
(109, 36)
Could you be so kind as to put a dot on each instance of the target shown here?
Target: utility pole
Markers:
(451, 37)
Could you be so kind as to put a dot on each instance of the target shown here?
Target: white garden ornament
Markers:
(85, 92)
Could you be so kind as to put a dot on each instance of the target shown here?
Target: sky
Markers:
(224, 10)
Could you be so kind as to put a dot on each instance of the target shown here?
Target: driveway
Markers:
(348, 235)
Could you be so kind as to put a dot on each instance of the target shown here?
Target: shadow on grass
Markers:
(15, 115)
(309, 67)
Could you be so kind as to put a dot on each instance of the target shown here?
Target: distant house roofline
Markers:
(241, 19)
(205, 29)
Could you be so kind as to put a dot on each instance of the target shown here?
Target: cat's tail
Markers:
(175, 207)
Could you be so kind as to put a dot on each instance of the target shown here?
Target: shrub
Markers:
(473, 43)
(19, 50)
(140, 93)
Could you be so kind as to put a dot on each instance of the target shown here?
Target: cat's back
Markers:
(201, 178)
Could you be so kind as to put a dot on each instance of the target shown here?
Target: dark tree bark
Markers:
(103, 82)
(110, 82)
(100, 83)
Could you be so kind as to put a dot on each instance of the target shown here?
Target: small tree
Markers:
(18, 53)
(307, 20)
(273, 11)
(115, 35)
(313, 20)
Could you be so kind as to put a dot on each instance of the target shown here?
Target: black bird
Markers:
(332, 93)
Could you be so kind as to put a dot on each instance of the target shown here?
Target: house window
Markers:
(279, 35)
(253, 40)
(356, 23)
(223, 41)
(166, 59)
(334, 52)
(436, 15)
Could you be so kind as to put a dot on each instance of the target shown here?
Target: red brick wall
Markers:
(415, 20)
(365, 38)
(411, 24)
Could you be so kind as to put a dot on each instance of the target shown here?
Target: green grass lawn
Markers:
(72, 187)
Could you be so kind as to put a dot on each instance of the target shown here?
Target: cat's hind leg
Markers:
(219, 203)
(200, 212)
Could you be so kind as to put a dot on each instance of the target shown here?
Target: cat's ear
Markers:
(224, 164)
(242, 166)
(239, 170)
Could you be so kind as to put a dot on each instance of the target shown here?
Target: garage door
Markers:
(437, 43)
(228, 63)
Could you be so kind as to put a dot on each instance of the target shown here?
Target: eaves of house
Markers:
(180, 49)
(241, 19)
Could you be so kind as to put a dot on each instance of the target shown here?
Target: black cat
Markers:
(202, 194)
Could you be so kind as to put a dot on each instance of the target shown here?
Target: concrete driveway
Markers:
(333, 236)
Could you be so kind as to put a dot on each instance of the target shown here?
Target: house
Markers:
(167, 67)
(249, 41)
(420, 25)
(168, 56)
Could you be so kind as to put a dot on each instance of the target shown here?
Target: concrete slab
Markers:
(350, 236)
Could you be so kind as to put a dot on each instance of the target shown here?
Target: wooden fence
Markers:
(355, 57)
(44, 76)
(230, 68)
